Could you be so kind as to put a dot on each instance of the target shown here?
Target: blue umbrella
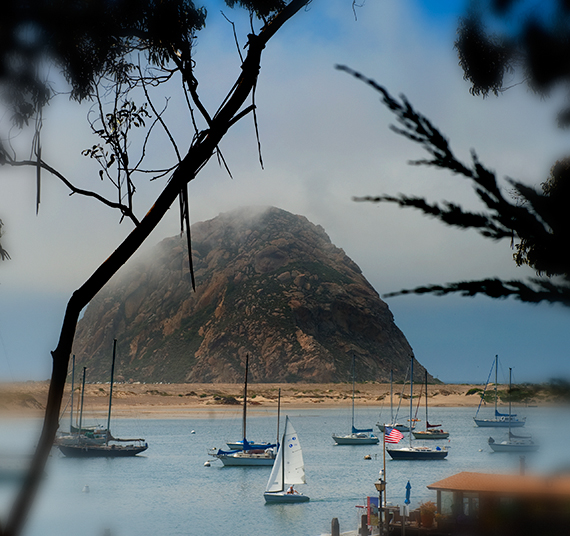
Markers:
(408, 488)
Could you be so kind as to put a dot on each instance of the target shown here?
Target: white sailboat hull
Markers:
(510, 446)
(284, 497)
(431, 434)
(356, 439)
(238, 445)
(499, 423)
(248, 459)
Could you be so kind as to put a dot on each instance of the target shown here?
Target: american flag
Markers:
(392, 435)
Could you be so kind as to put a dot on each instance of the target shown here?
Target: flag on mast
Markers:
(392, 435)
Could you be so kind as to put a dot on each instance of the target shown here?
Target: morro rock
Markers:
(268, 283)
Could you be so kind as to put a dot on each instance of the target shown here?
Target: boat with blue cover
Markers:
(358, 436)
(246, 453)
(500, 420)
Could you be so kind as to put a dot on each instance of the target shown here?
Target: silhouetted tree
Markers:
(3, 253)
(115, 53)
(534, 220)
(506, 42)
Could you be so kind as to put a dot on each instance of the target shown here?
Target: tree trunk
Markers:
(198, 155)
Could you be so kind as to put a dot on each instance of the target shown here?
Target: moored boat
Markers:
(112, 447)
(500, 420)
(416, 452)
(357, 436)
(93, 435)
(393, 421)
(246, 458)
(513, 443)
(248, 454)
(432, 431)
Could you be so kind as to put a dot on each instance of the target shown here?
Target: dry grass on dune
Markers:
(29, 397)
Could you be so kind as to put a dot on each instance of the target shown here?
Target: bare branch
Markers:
(235, 35)
(159, 116)
(125, 210)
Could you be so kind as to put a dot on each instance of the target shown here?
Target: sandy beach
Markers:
(181, 400)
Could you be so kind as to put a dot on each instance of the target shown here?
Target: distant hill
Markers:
(269, 283)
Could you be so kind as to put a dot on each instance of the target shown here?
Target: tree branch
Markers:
(200, 152)
(125, 210)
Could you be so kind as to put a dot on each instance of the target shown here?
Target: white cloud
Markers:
(325, 139)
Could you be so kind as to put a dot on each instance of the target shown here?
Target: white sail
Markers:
(288, 467)
(275, 482)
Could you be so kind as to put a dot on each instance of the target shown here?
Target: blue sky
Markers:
(325, 139)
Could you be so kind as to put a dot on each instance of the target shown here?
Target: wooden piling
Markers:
(364, 525)
(335, 529)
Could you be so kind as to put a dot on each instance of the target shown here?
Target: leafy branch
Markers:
(536, 222)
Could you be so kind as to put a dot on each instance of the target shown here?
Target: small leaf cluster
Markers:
(85, 41)
(503, 38)
(114, 133)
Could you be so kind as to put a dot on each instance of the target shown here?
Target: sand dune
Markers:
(179, 400)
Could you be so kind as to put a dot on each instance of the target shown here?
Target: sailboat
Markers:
(288, 470)
(513, 443)
(500, 420)
(416, 452)
(432, 431)
(246, 453)
(81, 448)
(81, 434)
(393, 424)
(91, 434)
(357, 436)
(238, 445)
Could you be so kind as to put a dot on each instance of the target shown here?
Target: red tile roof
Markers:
(551, 485)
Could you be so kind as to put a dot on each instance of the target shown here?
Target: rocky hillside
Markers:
(269, 283)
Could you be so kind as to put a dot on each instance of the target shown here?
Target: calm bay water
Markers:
(170, 491)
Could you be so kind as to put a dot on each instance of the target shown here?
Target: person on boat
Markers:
(291, 490)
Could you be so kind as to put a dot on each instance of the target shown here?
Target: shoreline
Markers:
(174, 401)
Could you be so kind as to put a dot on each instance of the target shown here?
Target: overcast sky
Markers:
(325, 138)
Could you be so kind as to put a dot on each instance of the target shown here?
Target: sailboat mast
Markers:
(278, 413)
(426, 402)
(496, 376)
(353, 387)
(82, 394)
(411, 397)
(510, 373)
(111, 392)
(72, 387)
(391, 397)
(283, 455)
(245, 398)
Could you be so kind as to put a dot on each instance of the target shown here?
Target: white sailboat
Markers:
(358, 436)
(288, 470)
(393, 422)
(500, 420)
(416, 452)
(244, 453)
(513, 443)
(432, 431)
